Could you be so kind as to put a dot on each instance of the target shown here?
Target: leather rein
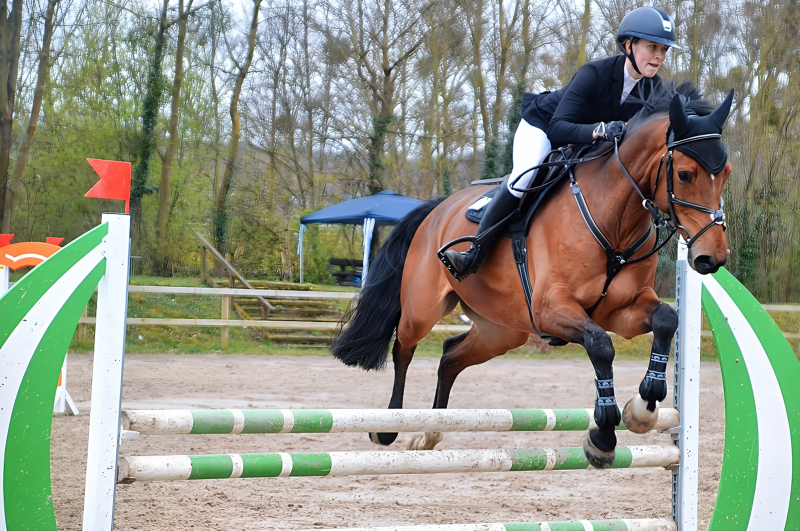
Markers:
(616, 260)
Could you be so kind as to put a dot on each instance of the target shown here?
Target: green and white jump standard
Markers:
(226, 421)
(40, 314)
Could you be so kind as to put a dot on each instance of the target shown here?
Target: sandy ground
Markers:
(230, 381)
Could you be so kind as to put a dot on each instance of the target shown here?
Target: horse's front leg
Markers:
(641, 412)
(563, 317)
(644, 314)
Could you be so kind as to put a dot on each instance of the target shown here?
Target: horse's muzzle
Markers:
(706, 264)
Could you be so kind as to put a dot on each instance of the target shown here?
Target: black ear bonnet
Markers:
(709, 153)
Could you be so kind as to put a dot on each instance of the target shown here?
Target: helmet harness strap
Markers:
(628, 54)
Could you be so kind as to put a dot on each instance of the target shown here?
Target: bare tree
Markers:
(42, 75)
(383, 37)
(10, 28)
(161, 254)
(242, 67)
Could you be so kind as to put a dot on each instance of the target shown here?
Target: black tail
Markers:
(367, 327)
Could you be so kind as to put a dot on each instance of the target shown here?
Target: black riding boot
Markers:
(502, 204)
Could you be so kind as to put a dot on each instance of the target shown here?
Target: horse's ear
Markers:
(677, 116)
(721, 113)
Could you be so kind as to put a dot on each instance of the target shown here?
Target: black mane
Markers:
(658, 101)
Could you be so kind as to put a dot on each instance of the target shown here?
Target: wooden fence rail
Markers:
(227, 295)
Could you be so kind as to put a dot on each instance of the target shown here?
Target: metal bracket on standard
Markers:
(672, 431)
(128, 435)
(675, 433)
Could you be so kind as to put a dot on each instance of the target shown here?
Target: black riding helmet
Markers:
(648, 23)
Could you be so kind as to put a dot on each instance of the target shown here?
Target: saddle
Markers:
(558, 165)
(547, 176)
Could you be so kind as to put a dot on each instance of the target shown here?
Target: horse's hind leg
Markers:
(429, 440)
(484, 341)
(415, 323)
(401, 358)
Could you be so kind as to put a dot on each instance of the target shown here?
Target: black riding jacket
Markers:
(569, 115)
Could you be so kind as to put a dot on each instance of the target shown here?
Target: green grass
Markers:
(202, 340)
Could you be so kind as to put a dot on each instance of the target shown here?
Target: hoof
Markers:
(427, 441)
(384, 439)
(637, 418)
(596, 457)
(414, 442)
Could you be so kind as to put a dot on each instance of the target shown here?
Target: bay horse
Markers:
(408, 289)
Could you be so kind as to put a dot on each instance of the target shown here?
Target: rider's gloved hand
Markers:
(609, 131)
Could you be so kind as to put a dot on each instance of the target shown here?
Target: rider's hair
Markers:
(633, 40)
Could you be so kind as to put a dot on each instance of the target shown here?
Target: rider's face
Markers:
(649, 56)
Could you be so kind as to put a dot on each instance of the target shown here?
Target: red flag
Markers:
(5, 239)
(115, 181)
(54, 241)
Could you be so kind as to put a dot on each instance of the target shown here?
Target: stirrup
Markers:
(479, 255)
(459, 276)
(473, 240)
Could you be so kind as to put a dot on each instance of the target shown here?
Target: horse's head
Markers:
(697, 168)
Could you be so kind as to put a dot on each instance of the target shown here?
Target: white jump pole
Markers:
(688, 291)
(109, 351)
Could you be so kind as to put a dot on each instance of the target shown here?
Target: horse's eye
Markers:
(684, 176)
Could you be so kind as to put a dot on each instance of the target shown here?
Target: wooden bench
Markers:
(348, 271)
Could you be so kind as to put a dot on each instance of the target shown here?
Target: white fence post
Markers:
(109, 350)
(688, 291)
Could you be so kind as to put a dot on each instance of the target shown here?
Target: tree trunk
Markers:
(220, 229)
(161, 252)
(474, 14)
(312, 188)
(515, 112)
(42, 74)
(10, 28)
(147, 141)
(694, 64)
(585, 25)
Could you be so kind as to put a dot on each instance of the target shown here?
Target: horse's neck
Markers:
(623, 217)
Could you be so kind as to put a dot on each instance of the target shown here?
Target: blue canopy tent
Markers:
(383, 208)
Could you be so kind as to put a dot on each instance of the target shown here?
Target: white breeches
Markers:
(531, 146)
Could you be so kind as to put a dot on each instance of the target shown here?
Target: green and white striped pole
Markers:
(226, 421)
(650, 524)
(232, 466)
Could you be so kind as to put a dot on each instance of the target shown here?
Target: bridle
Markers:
(671, 223)
(616, 260)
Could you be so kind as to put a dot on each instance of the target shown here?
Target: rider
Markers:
(591, 107)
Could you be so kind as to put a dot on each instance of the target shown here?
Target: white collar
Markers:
(627, 84)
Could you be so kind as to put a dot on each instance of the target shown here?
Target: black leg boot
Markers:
(502, 204)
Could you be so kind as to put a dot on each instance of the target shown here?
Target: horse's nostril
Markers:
(705, 264)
